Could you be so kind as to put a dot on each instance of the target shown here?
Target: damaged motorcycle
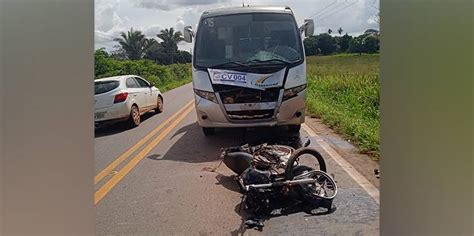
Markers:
(267, 173)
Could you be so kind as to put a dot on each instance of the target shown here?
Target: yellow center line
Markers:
(104, 189)
(140, 143)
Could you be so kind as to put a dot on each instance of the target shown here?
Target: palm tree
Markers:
(153, 50)
(340, 30)
(133, 43)
(170, 38)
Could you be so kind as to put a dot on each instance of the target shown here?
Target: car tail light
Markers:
(120, 97)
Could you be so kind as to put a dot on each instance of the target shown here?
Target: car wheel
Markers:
(294, 129)
(208, 131)
(134, 116)
(159, 105)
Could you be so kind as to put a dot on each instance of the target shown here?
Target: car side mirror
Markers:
(188, 34)
(307, 27)
(151, 84)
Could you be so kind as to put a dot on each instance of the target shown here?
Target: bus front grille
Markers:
(234, 95)
(250, 114)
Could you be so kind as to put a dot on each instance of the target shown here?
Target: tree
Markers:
(170, 38)
(326, 44)
(151, 44)
(184, 57)
(370, 44)
(310, 47)
(340, 30)
(320, 44)
(101, 53)
(155, 52)
(343, 42)
(100, 61)
(355, 45)
(371, 31)
(118, 53)
(329, 31)
(133, 43)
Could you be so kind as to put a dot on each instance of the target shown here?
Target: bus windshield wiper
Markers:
(228, 64)
(271, 60)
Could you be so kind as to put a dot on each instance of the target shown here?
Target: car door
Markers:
(149, 92)
(137, 94)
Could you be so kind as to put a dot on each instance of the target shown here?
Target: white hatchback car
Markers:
(123, 98)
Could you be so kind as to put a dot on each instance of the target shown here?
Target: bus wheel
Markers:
(294, 129)
(208, 131)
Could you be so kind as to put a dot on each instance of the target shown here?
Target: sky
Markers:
(150, 16)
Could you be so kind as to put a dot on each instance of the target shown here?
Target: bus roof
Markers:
(246, 9)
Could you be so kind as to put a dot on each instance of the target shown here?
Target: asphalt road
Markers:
(156, 180)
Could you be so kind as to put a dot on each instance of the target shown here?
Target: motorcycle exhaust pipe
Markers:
(281, 183)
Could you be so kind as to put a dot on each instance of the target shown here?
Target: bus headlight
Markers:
(206, 95)
(292, 92)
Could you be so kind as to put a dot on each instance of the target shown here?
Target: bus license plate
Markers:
(231, 77)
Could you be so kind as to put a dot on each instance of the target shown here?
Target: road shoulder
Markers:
(363, 163)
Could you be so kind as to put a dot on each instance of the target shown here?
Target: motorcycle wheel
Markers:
(293, 161)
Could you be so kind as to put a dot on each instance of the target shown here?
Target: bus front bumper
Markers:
(213, 115)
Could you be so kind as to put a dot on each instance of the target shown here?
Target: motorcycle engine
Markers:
(255, 176)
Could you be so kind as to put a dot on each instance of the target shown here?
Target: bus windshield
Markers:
(248, 39)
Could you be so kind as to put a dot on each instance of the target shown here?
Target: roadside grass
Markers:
(173, 84)
(343, 91)
(176, 75)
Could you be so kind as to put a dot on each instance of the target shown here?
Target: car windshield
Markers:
(105, 86)
(256, 38)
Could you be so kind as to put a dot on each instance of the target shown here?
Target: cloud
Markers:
(115, 16)
(180, 24)
(103, 40)
(352, 16)
(108, 23)
(104, 18)
(107, 17)
(190, 17)
(173, 4)
(152, 31)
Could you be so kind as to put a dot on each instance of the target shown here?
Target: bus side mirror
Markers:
(188, 34)
(307, 27)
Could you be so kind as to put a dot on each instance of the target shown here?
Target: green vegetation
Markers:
(148, 58)
(164, 77)
(326, 44)
(133, 45)
(343, 90)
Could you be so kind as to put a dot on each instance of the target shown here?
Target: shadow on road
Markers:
(118, 127)
(282, 206)
(194, 147)
(228, 182)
